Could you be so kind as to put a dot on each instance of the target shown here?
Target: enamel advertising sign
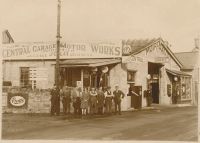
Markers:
(17, 100)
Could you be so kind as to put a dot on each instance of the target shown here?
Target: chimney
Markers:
(196, 48)
(196, 40)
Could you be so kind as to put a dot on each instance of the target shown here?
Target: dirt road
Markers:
(173, 124)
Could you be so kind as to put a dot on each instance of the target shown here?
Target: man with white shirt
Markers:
(108, 101)
(93, 101)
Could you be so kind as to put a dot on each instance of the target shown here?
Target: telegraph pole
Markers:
(58, 46)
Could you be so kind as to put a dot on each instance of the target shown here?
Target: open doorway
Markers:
(155, 92)
(153, 70)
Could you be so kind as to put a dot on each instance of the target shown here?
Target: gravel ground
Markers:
(172, 124)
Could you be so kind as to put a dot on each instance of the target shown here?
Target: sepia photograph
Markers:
(100, 70)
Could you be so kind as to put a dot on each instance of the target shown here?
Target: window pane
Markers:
(131, 76)
(24, 77)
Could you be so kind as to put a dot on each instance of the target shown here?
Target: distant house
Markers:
(190, 61)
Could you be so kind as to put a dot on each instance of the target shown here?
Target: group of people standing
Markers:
(87, 101)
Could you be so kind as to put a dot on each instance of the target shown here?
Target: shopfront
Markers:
(181, 87)
(135, 65)
(32, 65)
(156, 68)
(87, 72)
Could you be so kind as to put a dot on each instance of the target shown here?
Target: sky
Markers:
(176, 21)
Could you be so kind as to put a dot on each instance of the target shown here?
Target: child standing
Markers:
(93, 101)
(84, 101)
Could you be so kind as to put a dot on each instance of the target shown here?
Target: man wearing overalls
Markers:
(108, 101)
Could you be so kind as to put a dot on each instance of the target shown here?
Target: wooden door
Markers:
(136, 100)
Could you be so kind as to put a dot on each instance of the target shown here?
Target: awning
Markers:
(177, 73)
(88, 62)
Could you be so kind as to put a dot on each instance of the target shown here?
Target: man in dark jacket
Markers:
(66, 100)
(76, 99)
(118, 95)
(100, 100)
(57, 101)
(53, 100)
(148, 95)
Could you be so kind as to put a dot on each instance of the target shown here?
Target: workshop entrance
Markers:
(153, 70)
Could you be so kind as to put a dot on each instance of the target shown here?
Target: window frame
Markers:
(133, 75)
(25, 77)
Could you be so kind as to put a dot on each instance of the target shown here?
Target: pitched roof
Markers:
(188, 59)
(139, 45)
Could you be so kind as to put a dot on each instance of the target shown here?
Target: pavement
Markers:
(159, 124)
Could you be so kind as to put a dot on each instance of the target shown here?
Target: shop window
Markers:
(186, 88)
(24, 77)
(93, 80)
(131, 76)
(70, 76)
(86, 78)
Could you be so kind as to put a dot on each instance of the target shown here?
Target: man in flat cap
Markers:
(118, 95)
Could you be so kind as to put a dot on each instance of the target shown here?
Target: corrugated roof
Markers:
(88, 62)
(188, 59)
(175, 72)
(139, 44)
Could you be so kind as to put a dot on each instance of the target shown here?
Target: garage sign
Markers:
(47, 50)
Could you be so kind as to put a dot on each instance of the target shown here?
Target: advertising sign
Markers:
(126, 49)
(132, 59)
(78, 83)
(18, 100)
(169, 90)
(67, 51)
(162, 59)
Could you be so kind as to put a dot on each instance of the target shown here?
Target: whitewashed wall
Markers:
(11, 71)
